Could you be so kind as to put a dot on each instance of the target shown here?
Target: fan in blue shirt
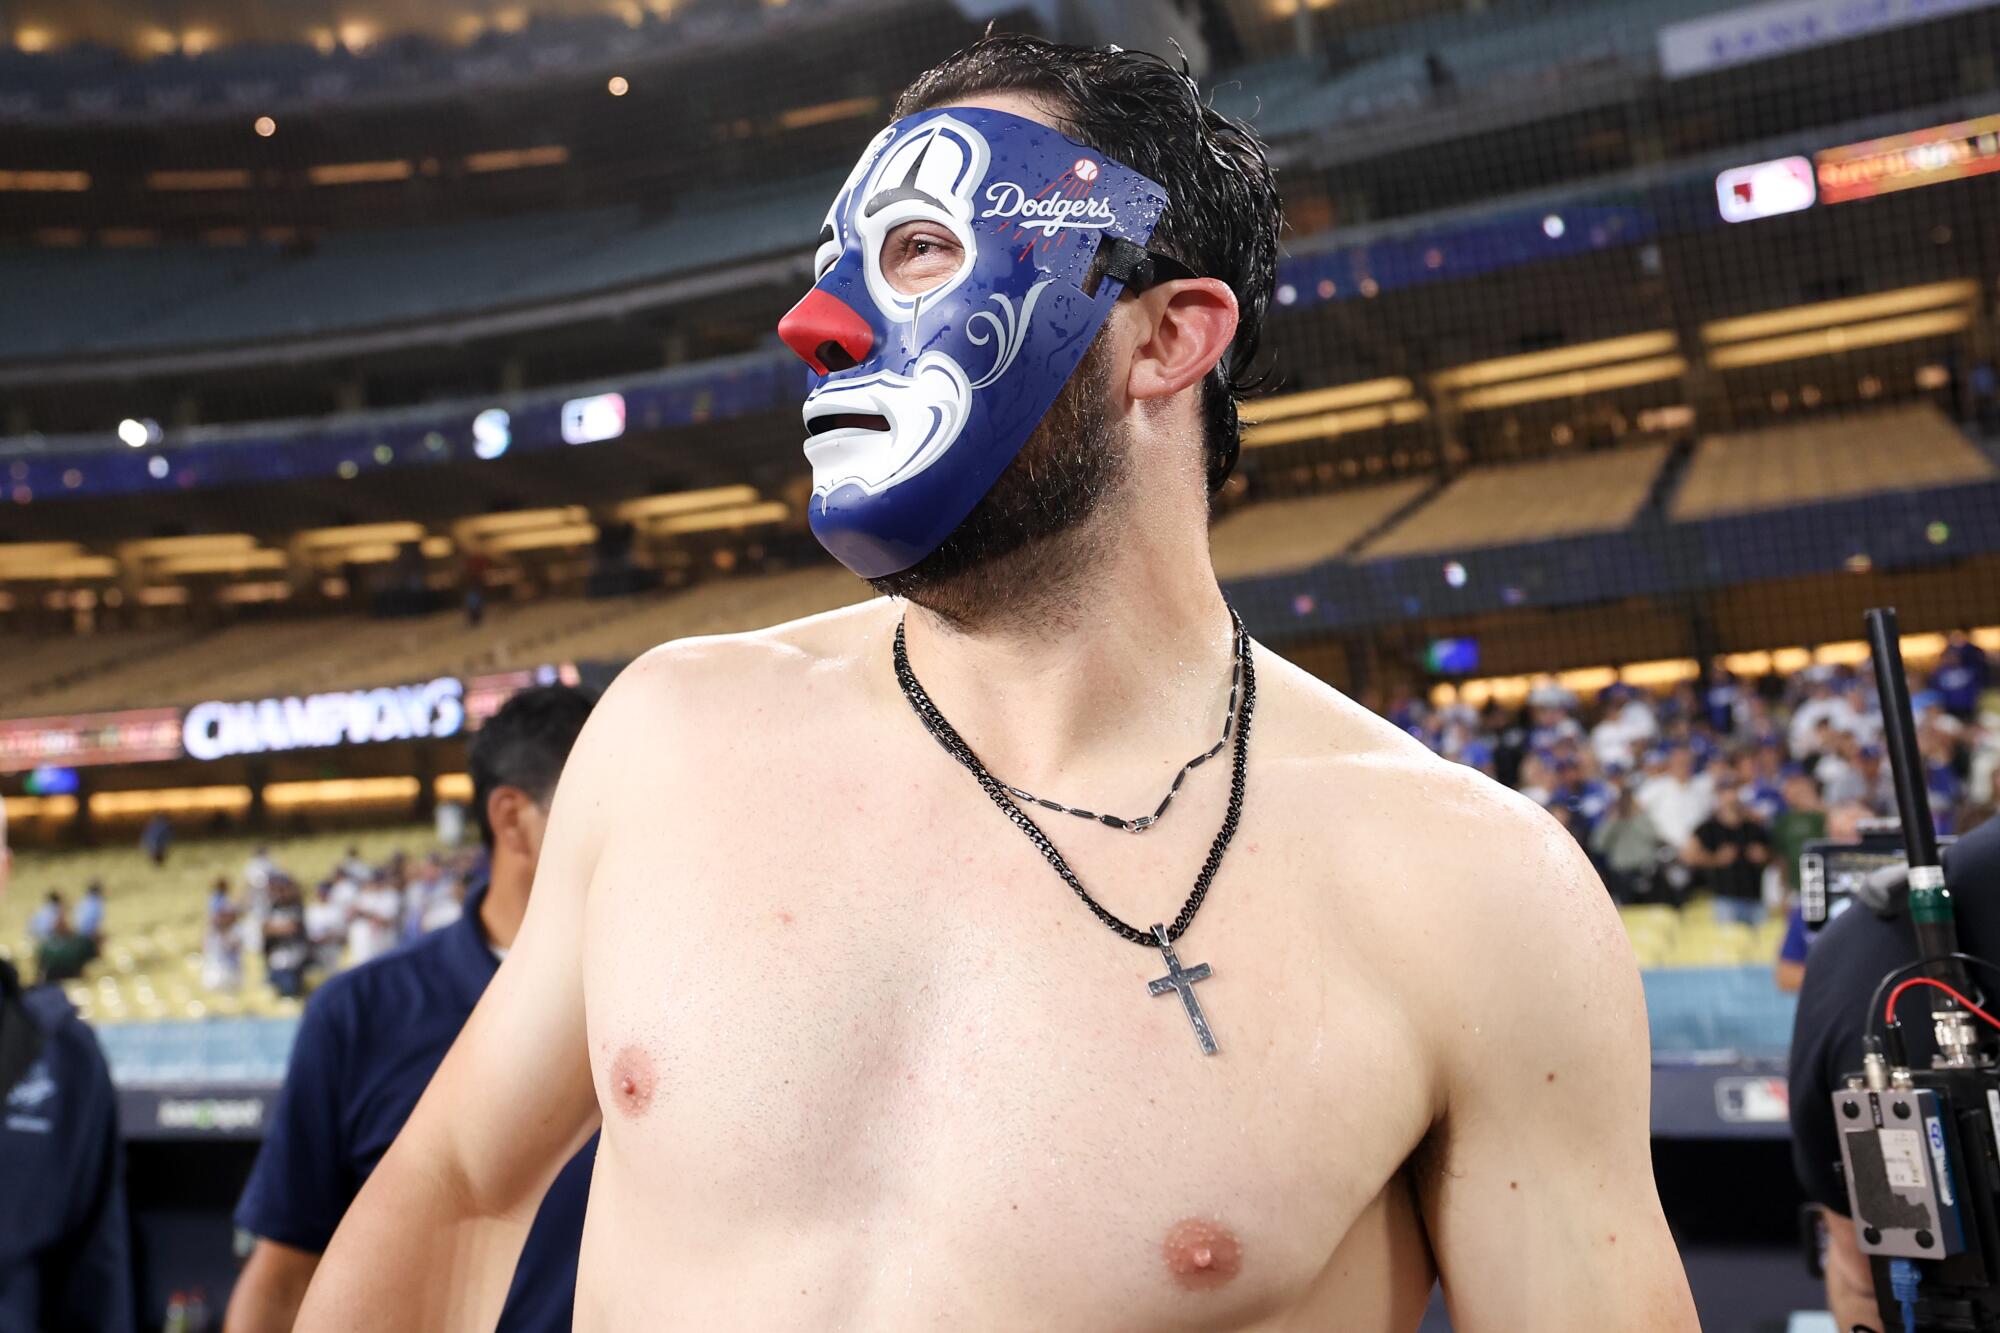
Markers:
(65, 1255)
(372, 1037)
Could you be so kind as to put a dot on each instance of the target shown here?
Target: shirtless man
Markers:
(863, 1059)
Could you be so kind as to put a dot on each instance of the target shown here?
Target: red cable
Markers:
(1889, 1010)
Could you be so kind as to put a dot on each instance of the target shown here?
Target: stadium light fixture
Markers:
(1839, 338)
(360, 173)
(826, 113)
(132, 433)
(1576, 383)
(355, 534)
(514, 159)
(223, 562)
(473, 530)
(566, 537)
(168, 800)
(220, 178)
(161, 548)
(1325, 425)
(713, 520)
(1504, 368)
(1359, 394)
(44, 182)
(685, 502)
(341, 791)
(1847, 310)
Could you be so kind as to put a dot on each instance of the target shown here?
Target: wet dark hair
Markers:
(524, 745)
(1223, 215)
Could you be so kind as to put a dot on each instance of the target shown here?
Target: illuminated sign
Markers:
(218, 730)
(1765, 189)
(52, 780)
(1906, 161)
(492, 432)
(134, 736)
(589, 420)
(485, 694)
(1781, 27)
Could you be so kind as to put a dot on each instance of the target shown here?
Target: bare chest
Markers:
(887, 1020)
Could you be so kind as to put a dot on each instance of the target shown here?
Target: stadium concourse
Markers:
(365, 365)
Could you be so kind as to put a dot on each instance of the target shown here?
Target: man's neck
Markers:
(506, 900)
(1124, 678)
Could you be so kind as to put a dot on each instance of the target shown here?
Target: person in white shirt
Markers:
(353, 867)
(372, 929)
(1678, 800)
(445, 906)
(257, 871)
(326, 927)
(222, 942)
(1628, 725)
(1827, 705)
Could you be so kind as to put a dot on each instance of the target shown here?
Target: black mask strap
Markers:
(1136, 267)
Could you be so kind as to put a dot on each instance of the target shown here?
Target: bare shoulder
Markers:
(1460, 835)
(678, 705)
(1495, 903)
(744, 672)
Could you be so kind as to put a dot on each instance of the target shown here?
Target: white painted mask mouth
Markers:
(879, 430)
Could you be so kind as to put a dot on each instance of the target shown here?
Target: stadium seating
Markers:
(37, 666)
(1278, 535)
(1491, 53)
(1690, 936)
(1827, 458)
(185, 295)
(151, 967)
(264, 658)
(1525, 502)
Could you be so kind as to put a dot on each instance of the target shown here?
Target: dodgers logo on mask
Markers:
(923, 390)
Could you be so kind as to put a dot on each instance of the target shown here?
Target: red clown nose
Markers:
(826, 332)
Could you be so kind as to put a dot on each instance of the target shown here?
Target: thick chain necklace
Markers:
(1178, 980)
(1144, 822)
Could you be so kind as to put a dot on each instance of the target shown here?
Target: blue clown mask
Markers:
(929, 374)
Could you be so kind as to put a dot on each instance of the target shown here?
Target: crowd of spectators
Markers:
(1716, 785)
(64, 945)
(357, 913)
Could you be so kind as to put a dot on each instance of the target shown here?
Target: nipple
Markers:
(1202, 1254)
(631, 1081)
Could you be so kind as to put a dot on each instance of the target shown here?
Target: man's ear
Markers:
(504, 809)
(1185, 328)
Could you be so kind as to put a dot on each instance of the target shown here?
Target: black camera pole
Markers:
(1930, 902)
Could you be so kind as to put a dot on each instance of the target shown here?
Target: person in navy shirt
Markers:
(372, 1037)
(65, 1252)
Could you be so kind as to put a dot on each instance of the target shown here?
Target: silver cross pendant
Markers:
(1182, 980)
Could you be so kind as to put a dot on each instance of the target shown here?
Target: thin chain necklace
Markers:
(1178, 980)
(1144, 822)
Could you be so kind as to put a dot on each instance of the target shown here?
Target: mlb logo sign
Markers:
(1765, 189)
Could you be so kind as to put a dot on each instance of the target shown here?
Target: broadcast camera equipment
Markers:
(1918, 1146)
(1872, 870)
